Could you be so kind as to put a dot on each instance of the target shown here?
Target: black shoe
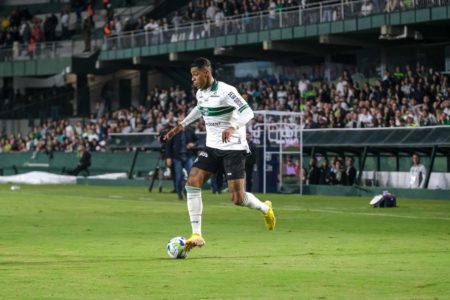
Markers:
(180, 196)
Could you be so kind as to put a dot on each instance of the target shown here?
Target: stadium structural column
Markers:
(448, 162)
(143, 86)
(313, 152)
(362, 164)
(83, 95)
(378, 162)
(430, 167)
(130, 173)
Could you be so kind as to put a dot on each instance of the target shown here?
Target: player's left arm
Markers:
(242, 115)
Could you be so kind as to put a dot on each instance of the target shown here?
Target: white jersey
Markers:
(222, 107)
(417, 176)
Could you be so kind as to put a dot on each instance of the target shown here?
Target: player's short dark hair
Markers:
(201, 63)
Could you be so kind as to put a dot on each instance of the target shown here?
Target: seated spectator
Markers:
(83, 164)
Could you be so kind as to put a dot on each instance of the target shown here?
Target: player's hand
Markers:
(172, 132)
(190, 146)
(226, 134)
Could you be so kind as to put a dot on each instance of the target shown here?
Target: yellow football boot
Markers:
(195, 240)
(269, 217)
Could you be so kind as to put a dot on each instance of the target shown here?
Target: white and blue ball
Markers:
(175, 247)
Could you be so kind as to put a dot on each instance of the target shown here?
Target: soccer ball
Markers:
(175, 247)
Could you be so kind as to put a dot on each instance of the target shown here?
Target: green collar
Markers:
(214, 86)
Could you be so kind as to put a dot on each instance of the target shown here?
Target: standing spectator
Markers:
(350, 172)
(366, 8)
(313, 172)
(217, 182)
(88, 26)
(325, 175)
(417, 173)
(219, 19)
(211, 11)
(339, 175)
(65, 19)
(180, 150)
(78, 6)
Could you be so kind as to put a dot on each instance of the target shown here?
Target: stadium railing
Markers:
(44, 50)
(323, 11)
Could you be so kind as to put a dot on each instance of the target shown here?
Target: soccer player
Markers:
(225, 113)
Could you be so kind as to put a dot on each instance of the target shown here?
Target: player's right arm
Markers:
(191, 117)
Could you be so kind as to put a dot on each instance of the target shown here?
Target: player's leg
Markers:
(242, 198)
(197, 177)
(204, 167)
(234, 165)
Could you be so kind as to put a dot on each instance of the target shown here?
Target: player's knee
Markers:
(193, 181)
(237, 198)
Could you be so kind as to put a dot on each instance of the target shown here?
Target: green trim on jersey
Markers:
(243, 108)
(215, 111)
(214, 86)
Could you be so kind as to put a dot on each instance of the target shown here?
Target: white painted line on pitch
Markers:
(115, 196)
(145, 198)
(335, 211)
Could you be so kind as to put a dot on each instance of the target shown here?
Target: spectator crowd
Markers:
(403, 97)
(221, 17)
(25, 29)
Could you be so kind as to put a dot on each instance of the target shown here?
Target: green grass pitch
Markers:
(84, 242)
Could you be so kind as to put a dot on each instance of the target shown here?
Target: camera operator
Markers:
(179, 152)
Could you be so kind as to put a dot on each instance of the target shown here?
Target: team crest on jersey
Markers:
(205, 111)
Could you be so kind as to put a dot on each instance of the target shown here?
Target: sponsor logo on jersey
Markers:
(214, 124)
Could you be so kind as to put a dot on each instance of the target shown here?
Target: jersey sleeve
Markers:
(191, 117)
(243, 112)
(233, 98)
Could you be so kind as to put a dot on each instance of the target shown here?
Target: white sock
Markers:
(195, 207)
(251, 201)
